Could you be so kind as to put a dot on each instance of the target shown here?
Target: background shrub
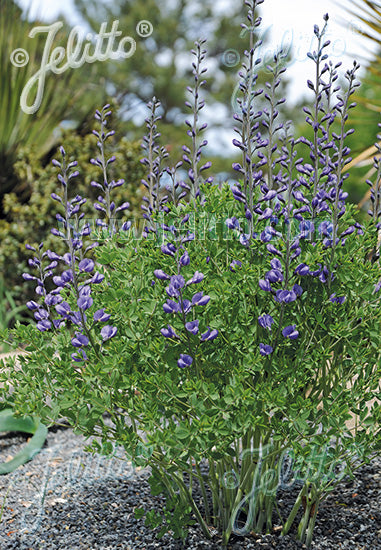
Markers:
(31, 221)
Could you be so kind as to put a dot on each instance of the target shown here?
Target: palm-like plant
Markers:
(368, 15)
(62, 95)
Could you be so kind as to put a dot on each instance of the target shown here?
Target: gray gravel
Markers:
(69, 500)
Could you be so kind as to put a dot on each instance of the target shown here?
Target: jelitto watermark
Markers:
(100, 47)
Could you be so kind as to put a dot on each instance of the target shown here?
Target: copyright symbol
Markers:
(144, 28)
(230, 58)
(19, 57)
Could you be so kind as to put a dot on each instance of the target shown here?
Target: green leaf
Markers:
(27, 425)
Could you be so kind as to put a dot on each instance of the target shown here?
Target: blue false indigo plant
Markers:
(105, 205)
(239, 354)
(153, 162)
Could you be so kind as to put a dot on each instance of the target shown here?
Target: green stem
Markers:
(185, 492)
(306, 516)
(293, 513)
(203, 492)
(311, 525)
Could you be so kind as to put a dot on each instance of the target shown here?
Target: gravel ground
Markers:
(65, 499)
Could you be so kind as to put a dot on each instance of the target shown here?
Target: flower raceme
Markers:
(181, 308)
(79, 273)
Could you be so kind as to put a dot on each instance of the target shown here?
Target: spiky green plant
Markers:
(30, 425)
(61, 98)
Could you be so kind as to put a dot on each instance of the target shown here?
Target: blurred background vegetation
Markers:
(160, 67)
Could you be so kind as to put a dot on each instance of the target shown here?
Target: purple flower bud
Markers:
(296, 254)
(108, 332)
(32, 305)
(177, 281)
(273, 250)
(168, 332)
(348, 231)
(67, 258)
(244, 239)
(209, 335)
(285, 296)
(57, 233)
(172, 291)
(197, 278)
(56, 197)
(44, 325)
(171, 307)
(99, 207)
(86, 265)
(266, 214)
(336, 299)
(265, 349)
(269, 195)
(79, 358)
(267, 234)
(189, 237)
(168, 249)
(79, 340)
(323, 276)
(96, 278)
(123, 206)
(276, 264)
(28, 277)
(41, 314)
(184, 361)
(274, 276)
(85, 290)
(126, 226)
(51, 266)
(325, 228)
(63, 309)
(34, 263)
(185, 306)
(297, 289)
(76, 318)
(235, 263)
(185, 259)
(101, 316)
(200, 300)
(52, 299)
(84, 302)
(302, 269)
(290, 332)
(67, 276)
(160, 274)
(192, 326)
(232, 223)
(264, 285)
(298, 195)
(206, 166)
(58, 281)
(265, 321)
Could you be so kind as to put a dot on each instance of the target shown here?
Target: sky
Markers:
(285, 23)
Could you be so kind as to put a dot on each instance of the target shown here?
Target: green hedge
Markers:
(31, 221)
